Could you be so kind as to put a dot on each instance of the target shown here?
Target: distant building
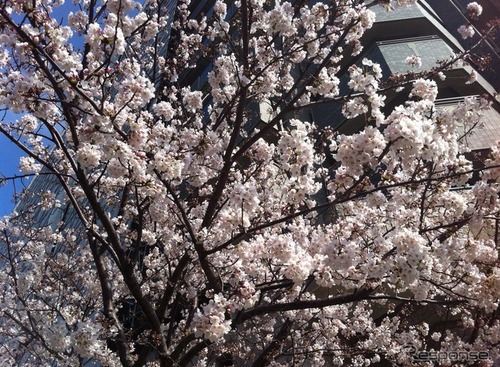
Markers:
(418, 30)
(452, 14)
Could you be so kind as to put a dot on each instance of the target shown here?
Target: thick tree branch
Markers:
(240, 108)
(358, 295)
(269, 353)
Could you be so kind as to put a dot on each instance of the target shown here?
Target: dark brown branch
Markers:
(228, 159)
(181, 346)
(246, 234)
(358, 295)
(124, 265)
(172, 282)
(425, 301)
(213, 280)
(108, 304)
(270, 352)
(190, 354)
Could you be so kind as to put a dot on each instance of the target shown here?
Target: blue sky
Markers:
(9, 159)
(9, 166)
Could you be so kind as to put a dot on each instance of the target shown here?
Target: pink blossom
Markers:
(239, 190)
(414, 61)
(474, 10)
(466, 31)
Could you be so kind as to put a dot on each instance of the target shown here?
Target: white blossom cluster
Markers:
(466, 31)
(414, 61)
(473, 12)
(199, 214)
(211, 322)
(474, 9)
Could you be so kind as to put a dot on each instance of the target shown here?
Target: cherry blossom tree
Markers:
(214, 223)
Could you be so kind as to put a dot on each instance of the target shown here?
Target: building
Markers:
(452, 14)
(419, 31)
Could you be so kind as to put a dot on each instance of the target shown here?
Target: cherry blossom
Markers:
(474, 10)
(187, 207)
(466, 31)
(414, 61)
